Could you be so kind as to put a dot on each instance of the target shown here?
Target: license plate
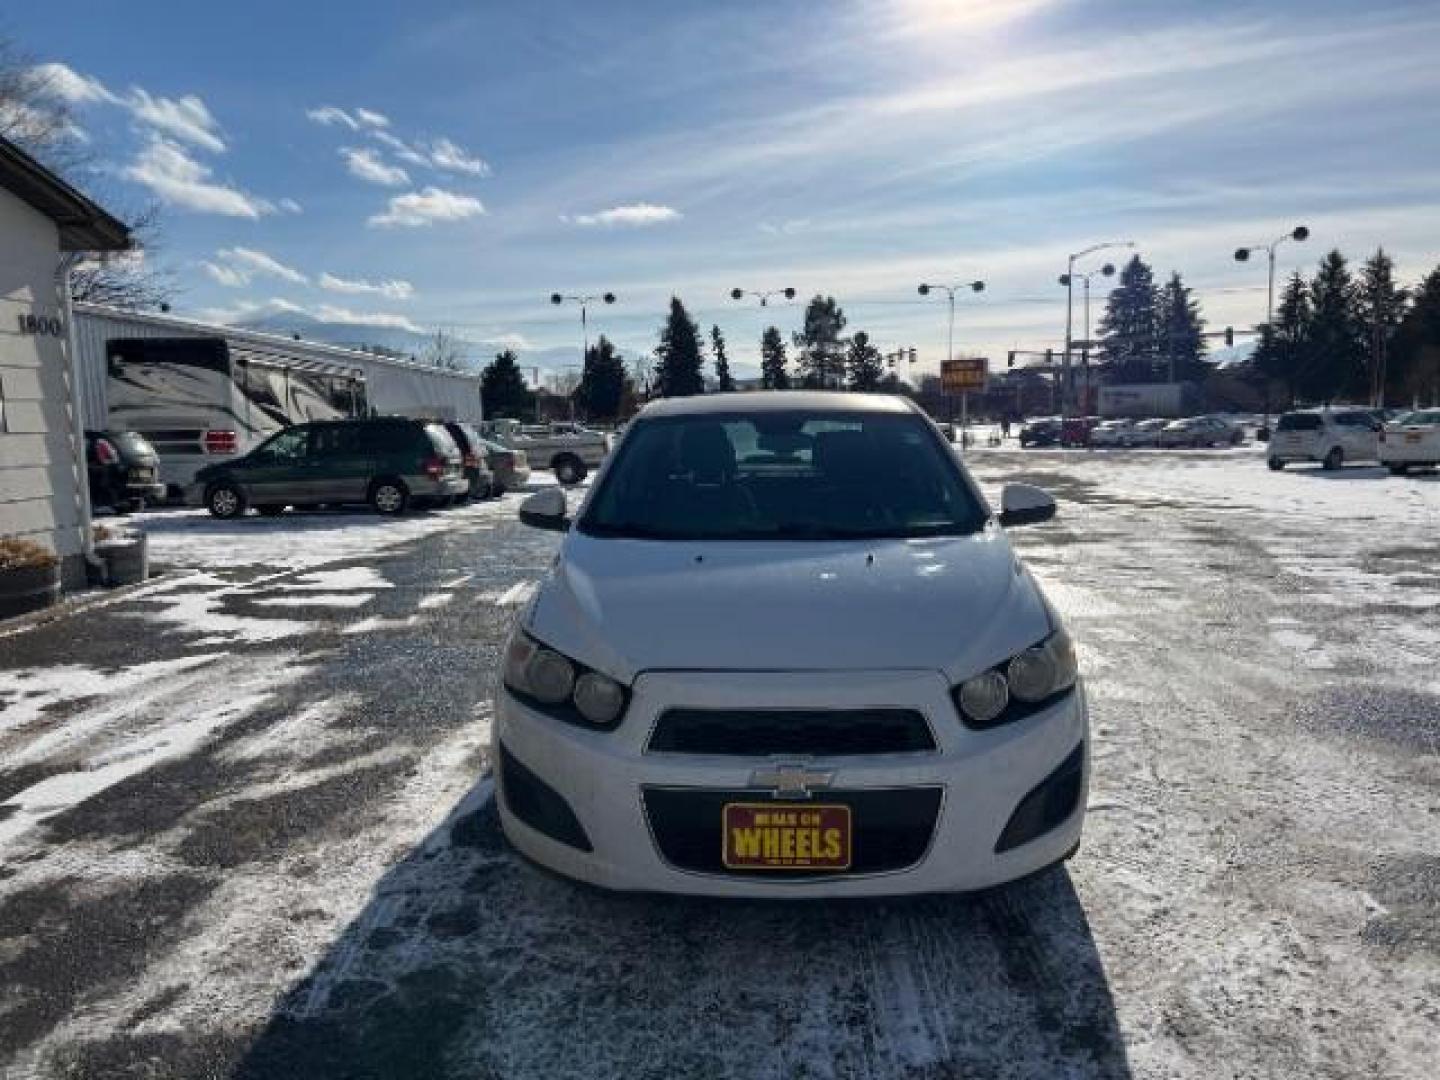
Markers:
(142, 474)
(1413, 438)
(774, 836)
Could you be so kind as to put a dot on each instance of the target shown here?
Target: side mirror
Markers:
(1024, 504)
(545, 510)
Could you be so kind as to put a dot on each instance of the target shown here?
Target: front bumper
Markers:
(982, 779)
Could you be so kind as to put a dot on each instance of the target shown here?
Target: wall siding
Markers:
(41, 467)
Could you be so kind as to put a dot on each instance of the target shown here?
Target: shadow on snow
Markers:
(469, 962)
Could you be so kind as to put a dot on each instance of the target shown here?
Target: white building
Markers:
(43, 222)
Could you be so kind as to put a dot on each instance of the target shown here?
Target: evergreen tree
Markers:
(503, 392)
(1129, 330)
(1284, 344)
(822, 355)
(773, 375)
(602, 382)
(1335, 365)
(679, 356)
(723, 378)
(1414, 368)
(863, 364)
(1380, 306)
(1183, 328)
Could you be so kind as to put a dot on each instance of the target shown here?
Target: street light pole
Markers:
(1068, 280)
(1298, 234)
(764, 296)
(950, 291)
(584, 302)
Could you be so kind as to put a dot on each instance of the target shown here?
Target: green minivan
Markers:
(389, 462)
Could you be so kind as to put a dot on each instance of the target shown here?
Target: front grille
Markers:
(766, 732)
(892, 827)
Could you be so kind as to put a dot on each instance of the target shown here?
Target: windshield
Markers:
(784, 475)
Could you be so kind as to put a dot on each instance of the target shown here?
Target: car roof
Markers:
(775, 401)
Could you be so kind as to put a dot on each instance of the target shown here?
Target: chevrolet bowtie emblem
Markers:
(791, 779)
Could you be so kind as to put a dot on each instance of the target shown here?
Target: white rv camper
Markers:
(201, 392)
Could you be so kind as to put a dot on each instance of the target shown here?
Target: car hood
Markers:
(952, 604)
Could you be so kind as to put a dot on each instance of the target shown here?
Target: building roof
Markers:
(83, 225)
(776, 401)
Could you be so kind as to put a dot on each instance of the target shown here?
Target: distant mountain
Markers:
(309, 328)
(1229, 357)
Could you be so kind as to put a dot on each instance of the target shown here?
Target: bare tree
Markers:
(38, 120)
(445, 350)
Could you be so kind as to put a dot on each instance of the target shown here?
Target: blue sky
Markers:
(442, 164)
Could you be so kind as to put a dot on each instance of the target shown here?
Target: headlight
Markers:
(984, 697)
(558, 686)
(996, 696)
(599, 698)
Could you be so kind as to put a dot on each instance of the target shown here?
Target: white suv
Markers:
(1329, 436)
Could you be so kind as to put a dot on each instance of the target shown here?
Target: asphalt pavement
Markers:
(247, 826)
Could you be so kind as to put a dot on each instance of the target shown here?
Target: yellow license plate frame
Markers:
(815, 837)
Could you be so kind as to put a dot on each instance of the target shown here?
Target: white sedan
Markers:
(1113, 433)
(1411, 441)
(787, 650)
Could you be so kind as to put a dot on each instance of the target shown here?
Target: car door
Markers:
(1357, 436)
(275, 472)
(339, 464)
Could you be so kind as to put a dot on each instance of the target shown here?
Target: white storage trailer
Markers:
(203, 392)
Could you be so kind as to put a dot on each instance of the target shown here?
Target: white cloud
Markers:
(290, 206)
(367, 165)
(443, 154)
(249, 310)
(260, 263)
(631, 214)
(403, 150)
(333, 314)
(238, 266)
(67, 84)
(330, 115)
(395, 290)
(178, 179)
(185, 118)
(232, 277)
(418, 208)
(450, 157)
(518, 342)
(788, 227)
(371, 118)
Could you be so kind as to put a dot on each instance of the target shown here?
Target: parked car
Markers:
(1196, 431)
(1112, 433)
(567, 449)
(472, 459)
(1075, 430)
(1147, 432)
(1411, 441)
(124, 470)
(1329, 436)
(510, 468)
(781, 746)
(391, 463)
(1042, 431)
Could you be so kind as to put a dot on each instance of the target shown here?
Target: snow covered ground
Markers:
(192, 538)
(246, 827)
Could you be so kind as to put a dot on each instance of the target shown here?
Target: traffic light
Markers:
(1049, 356)
(1229, 336)
(1012, 358)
